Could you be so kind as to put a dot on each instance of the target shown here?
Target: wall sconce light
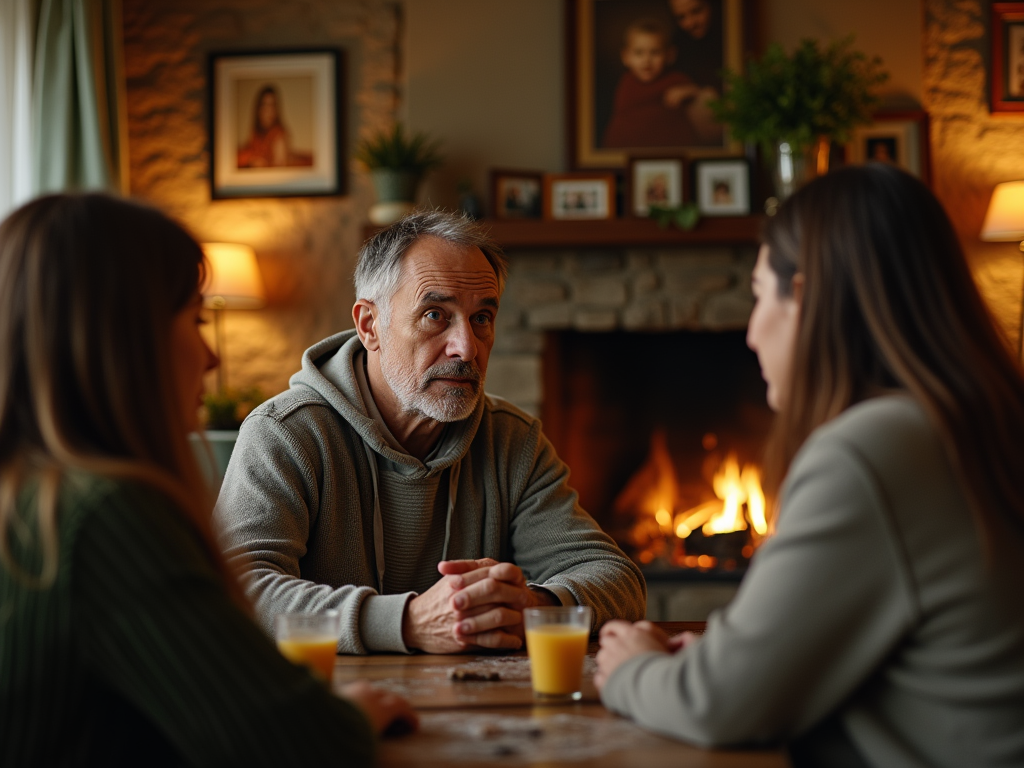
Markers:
(234, 283)
(1004, 222)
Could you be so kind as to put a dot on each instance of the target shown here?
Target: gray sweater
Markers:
(871, 608)
(321, 510)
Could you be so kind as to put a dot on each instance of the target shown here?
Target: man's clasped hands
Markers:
(476, 603)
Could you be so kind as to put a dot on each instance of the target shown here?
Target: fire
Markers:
(653, 495)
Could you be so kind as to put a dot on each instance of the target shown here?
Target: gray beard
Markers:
(414, 395)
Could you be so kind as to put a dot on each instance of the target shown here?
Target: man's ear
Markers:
(366, 314)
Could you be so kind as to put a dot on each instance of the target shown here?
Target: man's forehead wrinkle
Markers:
(442, 283)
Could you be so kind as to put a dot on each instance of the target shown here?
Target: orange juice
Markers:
(556, 657)
(317, 653)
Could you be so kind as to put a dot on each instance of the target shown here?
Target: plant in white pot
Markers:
(794, 105)
(397, 163)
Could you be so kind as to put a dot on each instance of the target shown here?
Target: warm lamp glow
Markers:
(234, 282)
(1005, 218)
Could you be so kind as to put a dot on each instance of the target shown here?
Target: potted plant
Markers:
(223, 413)
(397, 163)
(794, 105)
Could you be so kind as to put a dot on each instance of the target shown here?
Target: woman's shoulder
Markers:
(878, 426)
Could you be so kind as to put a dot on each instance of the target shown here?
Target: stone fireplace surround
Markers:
(632, 290)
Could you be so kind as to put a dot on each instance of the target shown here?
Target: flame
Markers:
(653, 495)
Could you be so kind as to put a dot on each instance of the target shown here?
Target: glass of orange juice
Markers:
(556, 639)
(310, 639)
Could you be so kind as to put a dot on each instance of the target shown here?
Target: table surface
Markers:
(467, 724)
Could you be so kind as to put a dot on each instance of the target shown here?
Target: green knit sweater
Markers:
(137, 656)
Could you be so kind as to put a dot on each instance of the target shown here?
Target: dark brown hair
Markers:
(889, 302)
(89, 286)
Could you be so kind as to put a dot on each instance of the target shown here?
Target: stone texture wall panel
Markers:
(306, 247)
(600, 291)
(595, 320)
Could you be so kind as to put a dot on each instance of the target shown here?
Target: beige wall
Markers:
(486, 76)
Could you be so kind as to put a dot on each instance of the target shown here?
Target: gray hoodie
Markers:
(321, 509)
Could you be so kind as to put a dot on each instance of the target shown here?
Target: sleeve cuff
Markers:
(380, 622)
(563, 595)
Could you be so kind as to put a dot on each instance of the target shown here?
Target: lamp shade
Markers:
(234, 281)
(1005, 217)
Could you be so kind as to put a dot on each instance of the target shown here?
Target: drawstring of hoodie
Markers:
(378, 518)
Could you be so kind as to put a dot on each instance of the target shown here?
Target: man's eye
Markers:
(483, 319)
(433, 314)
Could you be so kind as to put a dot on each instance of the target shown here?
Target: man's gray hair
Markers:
(379, 268)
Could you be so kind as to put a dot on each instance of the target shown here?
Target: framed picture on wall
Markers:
(900, 138)
(516, 194)
(276, 124)
(579, 196)
(640, 74)
(652, 181)
(721, 186)
(1006, 70)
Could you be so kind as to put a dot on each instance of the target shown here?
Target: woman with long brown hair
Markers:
(123, 637)
(883, 623)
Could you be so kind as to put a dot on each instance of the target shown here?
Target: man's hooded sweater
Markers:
(321, 510)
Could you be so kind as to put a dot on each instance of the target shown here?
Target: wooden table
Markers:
(470, 724)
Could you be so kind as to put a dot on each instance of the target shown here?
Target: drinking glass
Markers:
(556, 639)
(310, 639)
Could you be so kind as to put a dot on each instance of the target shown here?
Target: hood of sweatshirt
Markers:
(328, 368)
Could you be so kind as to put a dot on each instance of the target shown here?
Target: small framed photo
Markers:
(276, 124)
(579, 196)
(654, 181)
(899, 138)
(721, 186)
(1006, 70)
(516, 194)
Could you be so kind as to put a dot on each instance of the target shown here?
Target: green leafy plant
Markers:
(415, 153)
(228, 409)
(798, 98)
(684, 216)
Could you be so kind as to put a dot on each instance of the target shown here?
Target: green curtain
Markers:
(76, 82)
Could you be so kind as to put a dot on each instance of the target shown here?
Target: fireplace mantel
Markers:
(521, 234)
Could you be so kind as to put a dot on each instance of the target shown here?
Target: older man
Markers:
(385, 484)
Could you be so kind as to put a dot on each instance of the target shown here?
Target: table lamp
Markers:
(234, 283)
(1005, 222)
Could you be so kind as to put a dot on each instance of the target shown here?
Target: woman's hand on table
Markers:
(621, 641)
(387, 712)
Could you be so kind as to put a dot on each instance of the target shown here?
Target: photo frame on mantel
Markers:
(619, 106)
(1006, 69)
(900, 138)
(276, 123)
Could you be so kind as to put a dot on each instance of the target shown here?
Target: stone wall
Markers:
(306, 247)
(972, 150)
(598, 291)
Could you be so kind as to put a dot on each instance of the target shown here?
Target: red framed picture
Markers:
(1006, 72)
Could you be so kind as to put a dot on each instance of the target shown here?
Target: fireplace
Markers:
(664, 433)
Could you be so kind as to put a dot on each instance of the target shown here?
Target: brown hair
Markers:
(889, 301)
(648, 25)
(89, 286)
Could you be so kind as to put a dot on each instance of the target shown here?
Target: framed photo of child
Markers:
(722, 186)
(654, 181)
(898, 138)
(516, 194)
(641, 74)
(570, 196)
